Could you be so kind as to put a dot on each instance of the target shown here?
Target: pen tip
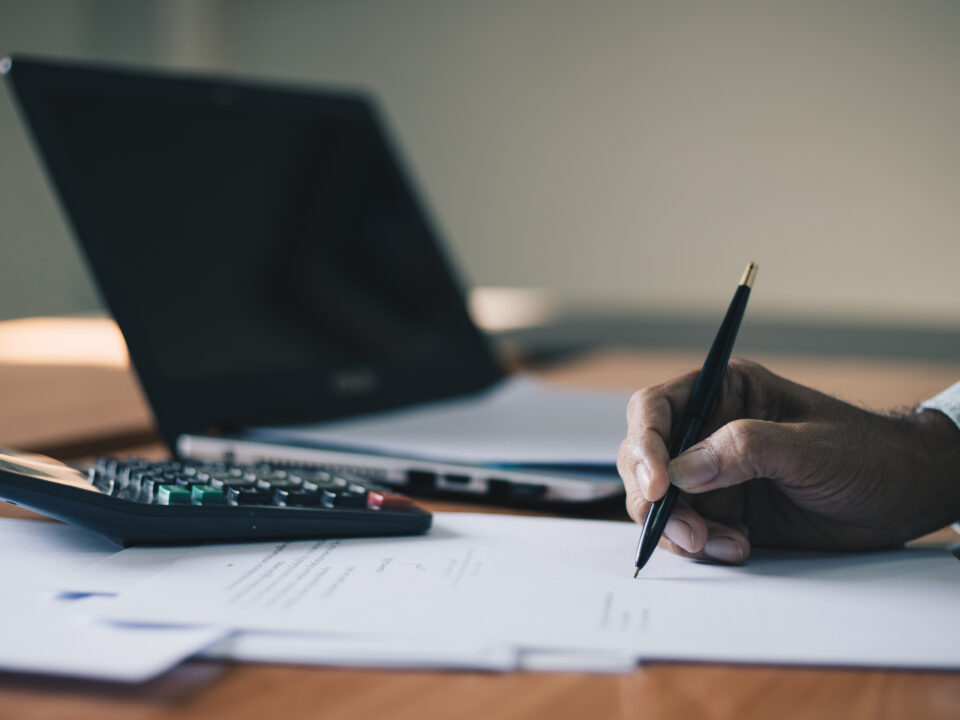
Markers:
(636, 572)
(749, 274)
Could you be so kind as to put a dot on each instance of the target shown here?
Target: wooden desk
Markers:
(212, 690)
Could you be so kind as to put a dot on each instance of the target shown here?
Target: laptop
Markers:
(275, 275)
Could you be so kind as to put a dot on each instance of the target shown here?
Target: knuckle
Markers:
(637, 401)
(746, 366)
(744, 438)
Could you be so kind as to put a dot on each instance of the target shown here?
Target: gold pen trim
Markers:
(749, 274)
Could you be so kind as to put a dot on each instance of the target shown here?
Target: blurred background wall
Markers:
(620, 155)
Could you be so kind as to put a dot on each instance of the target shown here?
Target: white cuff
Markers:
(947, 402)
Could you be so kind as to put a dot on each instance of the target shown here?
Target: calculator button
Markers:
(148, 487)
(172, 495)
(206, 495)
(315, 476)
(275, 481)
(328, 498)
(248, 496)
(351, 498)
(131, 488)
(298, 498)
(103, 483)
(106, 465)
(315, 486)
(384, 500)
(232, 481)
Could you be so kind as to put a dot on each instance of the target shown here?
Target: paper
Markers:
(520, 421)
(120, 572)
(364, 651)
(407, 653)
(473, 578)
(39, 634)
(550, 586)
(48, 637)
(580, 661)
(887, 609)
(32, 552)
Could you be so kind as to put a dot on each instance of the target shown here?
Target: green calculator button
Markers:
(172, 495)
(206, 495)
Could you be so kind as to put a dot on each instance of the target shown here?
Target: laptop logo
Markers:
(357, 381)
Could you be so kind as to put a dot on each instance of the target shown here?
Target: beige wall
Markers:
(632, 154)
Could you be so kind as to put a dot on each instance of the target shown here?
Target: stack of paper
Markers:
(43, 634)
(501, 593)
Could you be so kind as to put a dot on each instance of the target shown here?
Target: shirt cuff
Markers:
(947, 402)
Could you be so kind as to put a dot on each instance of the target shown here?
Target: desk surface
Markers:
(210, 690)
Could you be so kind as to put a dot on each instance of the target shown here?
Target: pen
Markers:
(701, 404)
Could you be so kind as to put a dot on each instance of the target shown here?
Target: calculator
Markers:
(142, 502)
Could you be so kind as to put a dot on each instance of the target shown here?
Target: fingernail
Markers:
(724, 550)
(692, 468)
(680, 532)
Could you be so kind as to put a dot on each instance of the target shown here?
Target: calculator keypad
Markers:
(180, 483)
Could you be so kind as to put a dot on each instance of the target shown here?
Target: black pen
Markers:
(701, 404)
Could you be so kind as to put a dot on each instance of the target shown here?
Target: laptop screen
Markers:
(260, 247)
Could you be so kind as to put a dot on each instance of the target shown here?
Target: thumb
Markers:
(739, 451)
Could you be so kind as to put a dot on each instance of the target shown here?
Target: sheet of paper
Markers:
(409, 653)
(521, 421)
(33, 552)
(363, 651)
(580, 661)
(540, 584)
(887, 609)
(42, 635)
(47, 637)
(473, 578)
(120, 572)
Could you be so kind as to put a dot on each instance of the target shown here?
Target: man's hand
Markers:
(786, 466)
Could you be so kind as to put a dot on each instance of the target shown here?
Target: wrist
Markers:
(939, 445)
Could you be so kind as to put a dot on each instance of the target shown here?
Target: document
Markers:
(473, 578)
(542, 585)
(41, 634)
(520, 421)
(404, 653)
(407, 653)
(884, 609)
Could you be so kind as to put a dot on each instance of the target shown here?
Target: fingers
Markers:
(686, 528)
(735, 452)
(653, 413)
(642, 459)
(690, 535)
(642, 464)
(725, 544)
(739, 451)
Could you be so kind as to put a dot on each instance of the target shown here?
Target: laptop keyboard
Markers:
(173, 482)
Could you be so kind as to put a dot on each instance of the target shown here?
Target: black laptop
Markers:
(269, 263)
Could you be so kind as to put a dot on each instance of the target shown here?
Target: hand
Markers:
(786, 466)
